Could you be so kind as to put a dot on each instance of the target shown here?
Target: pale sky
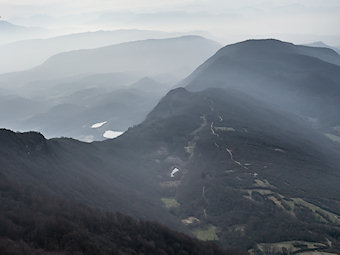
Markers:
(229, 20)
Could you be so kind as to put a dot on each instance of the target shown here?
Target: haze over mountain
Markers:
(126, 128)
(217, 163)
(323, 45)
(291, 20)
(118, 109)
(77, 89)
(27, 54)
(71, 109)
(246, 155)
(174, 56)
(235, 157)
(298, 79)
(10, 32)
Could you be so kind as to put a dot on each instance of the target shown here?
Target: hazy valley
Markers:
(150, 142)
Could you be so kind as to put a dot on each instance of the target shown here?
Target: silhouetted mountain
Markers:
(298, 79)
(174, 56)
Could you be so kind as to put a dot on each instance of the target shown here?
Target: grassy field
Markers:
(289, 247)
(323, 214)
(316, 253)
(170, 202)
(227, 129)
(206, 233)
(334, 138)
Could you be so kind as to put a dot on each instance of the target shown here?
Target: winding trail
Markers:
(211, 105)
(206, 201)
(192, 143)
(228, 150)
(235, 161)
(212, 130)
(203, 195)
(205, 213)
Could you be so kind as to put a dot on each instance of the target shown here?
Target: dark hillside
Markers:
(33, 223)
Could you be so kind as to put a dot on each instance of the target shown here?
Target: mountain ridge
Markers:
(146, 58)
(264, 154)
(297, 80)
(223, 164)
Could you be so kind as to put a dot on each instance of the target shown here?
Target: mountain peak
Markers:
(169, 104)
(321, 44)
(22, 141)
(192, 37)
(254, 46)
(7, 26)
(259, 47)
(318, 44)
(267, 41)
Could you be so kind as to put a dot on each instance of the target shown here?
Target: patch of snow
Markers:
(175, 170)
(112, 134)
(99, 124)
(190, 220)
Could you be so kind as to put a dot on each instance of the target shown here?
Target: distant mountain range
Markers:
(10, 28)
(27, 54)
(174, 56)
(10, 32)
(74, 90)
(74, 115)
(246, 155)
(323, 45)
